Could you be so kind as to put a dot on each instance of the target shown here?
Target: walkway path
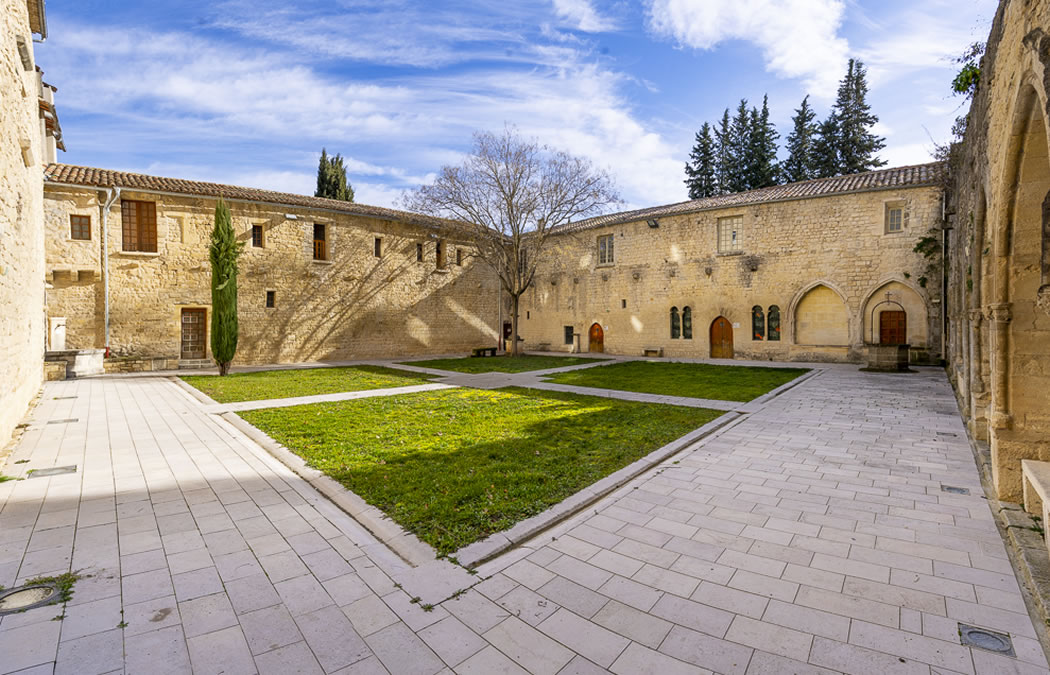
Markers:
(811, 535)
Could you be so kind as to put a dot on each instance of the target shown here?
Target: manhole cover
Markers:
(27, 597)
(54, 471)
(955, 490)
(65, 421)
(989, 640)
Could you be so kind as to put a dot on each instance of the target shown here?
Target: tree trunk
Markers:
(514, 325)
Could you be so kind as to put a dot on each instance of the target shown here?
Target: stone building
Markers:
(31, 135)
(809, 271)
(320, 279)
(999, 261)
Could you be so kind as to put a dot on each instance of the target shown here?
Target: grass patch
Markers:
(695, 380)
(268, 384)
(457, 465)
(503, 364)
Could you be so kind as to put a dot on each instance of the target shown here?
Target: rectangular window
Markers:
(139, 220)
(377, 247)
(271, 299)
(894, 219)
(439, 252)
(419, 252)
(459, 256)
(729, 234)
(80, 227)
(605, 249)
(257, 236)
(623, 304)
(320, 241)
(568, 335)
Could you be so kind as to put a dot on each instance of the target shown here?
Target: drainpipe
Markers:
(499, 313)
(944, 276)
(112, 194)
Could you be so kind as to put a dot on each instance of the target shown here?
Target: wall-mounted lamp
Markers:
(653, 223)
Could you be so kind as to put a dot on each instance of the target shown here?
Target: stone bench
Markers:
(483, 351)
(652, 351)
(1036, 481)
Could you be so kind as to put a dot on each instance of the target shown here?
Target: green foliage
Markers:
(694, 380)
(799, 164)
(968, 78)
(928, 247)
(457, 465)
(223, 253)
(725, 152)
(503, 364)
(700, 169)
(857, 145)
(331, 178)
(761, 167)
(826, 161)
(269, 384)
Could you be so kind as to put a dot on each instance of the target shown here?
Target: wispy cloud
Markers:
(582, 15)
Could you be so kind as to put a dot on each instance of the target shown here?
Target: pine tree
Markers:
(331, 179)
(739, 142)
(223, 253)
(857, 144)
(724, 154)
(826, 161)
(800, 145)
(761, 152)
(700, 170)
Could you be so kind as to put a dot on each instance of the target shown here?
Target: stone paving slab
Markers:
(811, 535)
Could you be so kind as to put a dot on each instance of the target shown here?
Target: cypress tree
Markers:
(857, 144)
(826, 162)
(761, 153)
(700, 170)
(799, 163)
(739, 142)
(724, 154)
(223, 253)
(331, 179)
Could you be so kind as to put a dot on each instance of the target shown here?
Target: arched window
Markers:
(676, 326)
(687, 323)
(758, 323)
(773, 321)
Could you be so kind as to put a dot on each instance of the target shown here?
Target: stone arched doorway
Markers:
(596, 338)
(721, 338)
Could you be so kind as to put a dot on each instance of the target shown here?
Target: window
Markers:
(758, 323)
(377, 247)
(687, 323)
(568, 335)
(623, 304)
(773, 321)
(80, 227)
(271, 299)
(419, 252)
(605, 249)
(320, 241)
(729, 234)
(439, 253)
(528, 315)
(894, 218)
(139, 220)
(676, 324)
(459, 256)
(257, 236)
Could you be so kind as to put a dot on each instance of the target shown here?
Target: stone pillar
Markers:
(999, 315)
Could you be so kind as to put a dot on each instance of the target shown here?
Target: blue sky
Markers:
(248, 91)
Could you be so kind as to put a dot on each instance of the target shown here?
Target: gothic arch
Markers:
(911, 298)
(823, 321)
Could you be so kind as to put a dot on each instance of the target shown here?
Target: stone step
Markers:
(195, 364)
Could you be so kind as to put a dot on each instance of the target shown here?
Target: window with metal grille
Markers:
(605, 249)
(271, 299)
(80, 227)
(320, 241)
(568, 335)
(139, 221)
(377, 247)
(257, 236)
(894, 219)
(729, 234)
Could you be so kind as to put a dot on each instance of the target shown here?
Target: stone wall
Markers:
(21, 238)
(822, 262)
(353, 305)
(999, 276)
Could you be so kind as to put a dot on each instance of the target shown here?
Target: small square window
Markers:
(729, 234)
(568, 335)
(419, 252)
(377, 247)
(80, 227)
(257, 236)
(894, 219)
(271, 299)
(605, 249)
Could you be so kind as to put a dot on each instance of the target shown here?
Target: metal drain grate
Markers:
(946, 433)
(62, 398)
(955, 490)
(988, 640)
(65, 421)
(54, 471)
(27, 597)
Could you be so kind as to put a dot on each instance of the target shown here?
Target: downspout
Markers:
(944, 276)
(499, 314)
(112, 194)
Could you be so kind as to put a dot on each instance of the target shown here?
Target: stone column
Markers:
(999, 315)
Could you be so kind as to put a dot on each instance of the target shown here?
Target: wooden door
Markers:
(193, 334)
(893, 328)
(597, 339)
(721, 338)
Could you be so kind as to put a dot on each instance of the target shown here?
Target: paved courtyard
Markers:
(811, 534)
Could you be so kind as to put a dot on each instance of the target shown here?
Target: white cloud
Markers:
(582, 15)
(798, 38)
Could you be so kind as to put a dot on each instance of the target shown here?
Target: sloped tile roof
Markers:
(884, 179)
(93, 177)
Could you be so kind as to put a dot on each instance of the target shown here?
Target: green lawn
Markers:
(696, 380)
(457, 465)
(267, 384)
(502, 364)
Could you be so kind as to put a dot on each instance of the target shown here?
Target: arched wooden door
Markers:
(596, 339)
(721, 338)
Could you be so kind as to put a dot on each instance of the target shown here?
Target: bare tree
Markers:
(514, 193)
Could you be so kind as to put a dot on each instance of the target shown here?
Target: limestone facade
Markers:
(363, 299)
(21, 209)
(822, 256)
(999, 271)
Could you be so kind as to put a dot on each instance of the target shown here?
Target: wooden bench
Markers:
(652, 351)
(1035, 477)
(483, 351)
